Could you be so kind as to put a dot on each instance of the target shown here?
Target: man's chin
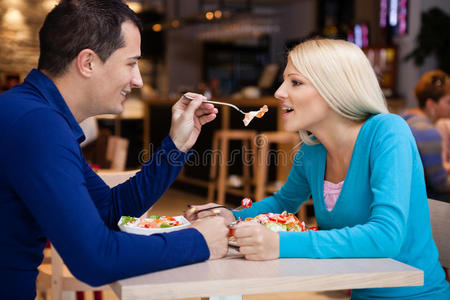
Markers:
(116, 111)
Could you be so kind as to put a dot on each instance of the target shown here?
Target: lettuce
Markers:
(127, 219)
(276, 226)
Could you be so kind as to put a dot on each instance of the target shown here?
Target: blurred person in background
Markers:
(443, 126)
(433, 94)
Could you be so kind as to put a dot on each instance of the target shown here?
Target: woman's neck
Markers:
(339, 138)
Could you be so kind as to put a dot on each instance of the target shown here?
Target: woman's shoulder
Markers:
(386, 128)
(387, 122)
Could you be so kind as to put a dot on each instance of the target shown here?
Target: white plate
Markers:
(148, 231)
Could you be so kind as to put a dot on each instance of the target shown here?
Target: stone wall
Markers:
(20, 21)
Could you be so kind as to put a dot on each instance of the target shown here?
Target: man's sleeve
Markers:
(46, 172)
(135, 196)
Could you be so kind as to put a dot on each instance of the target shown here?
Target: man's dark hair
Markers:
(74, 25)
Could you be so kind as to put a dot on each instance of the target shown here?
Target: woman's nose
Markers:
(280, 93)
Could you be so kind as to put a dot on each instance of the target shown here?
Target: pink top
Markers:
(331, 193)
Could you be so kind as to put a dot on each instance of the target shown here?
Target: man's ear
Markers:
(85, 62)
(430, 104)
(431, 108)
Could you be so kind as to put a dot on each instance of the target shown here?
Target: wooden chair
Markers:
(116, 152)
(54, 276)
(440, 224)
(220, 153)
(288, 143)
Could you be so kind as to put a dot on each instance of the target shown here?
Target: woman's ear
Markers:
(85, 62)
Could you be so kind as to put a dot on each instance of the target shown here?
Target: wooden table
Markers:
(233, 275)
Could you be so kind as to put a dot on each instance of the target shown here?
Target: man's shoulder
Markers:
(417, 121)
(20, 103)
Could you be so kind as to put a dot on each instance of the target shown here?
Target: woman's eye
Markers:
(295, 82)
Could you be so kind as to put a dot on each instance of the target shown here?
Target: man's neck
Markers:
(70, 88)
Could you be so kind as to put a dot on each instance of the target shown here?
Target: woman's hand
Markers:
(256, 242)
(191, 214)
(188, 117)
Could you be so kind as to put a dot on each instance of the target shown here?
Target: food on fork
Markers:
(255, 113)
(246, 202)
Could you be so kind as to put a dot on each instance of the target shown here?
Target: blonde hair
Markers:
(342, 75)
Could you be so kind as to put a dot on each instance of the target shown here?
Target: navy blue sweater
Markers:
(47, 191)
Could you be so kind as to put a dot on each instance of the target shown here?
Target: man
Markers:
(87, 66)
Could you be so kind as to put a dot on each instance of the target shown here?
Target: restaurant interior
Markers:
(232, 51)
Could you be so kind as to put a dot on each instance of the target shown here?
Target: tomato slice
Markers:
(273, 219)
(281, 219)
(246, 202)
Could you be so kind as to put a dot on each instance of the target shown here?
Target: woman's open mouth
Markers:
(287, 110)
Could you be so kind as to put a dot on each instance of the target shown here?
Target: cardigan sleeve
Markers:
(46, 172)
(391, 162)
(289, 198)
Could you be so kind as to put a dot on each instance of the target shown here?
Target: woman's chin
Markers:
(290, 128)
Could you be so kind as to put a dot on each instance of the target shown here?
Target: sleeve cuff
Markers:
(173, 152)
(198, 246)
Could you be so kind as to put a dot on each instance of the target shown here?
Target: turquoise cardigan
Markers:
(382, 210)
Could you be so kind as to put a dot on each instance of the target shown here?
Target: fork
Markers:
(217, 207)
(218, 103)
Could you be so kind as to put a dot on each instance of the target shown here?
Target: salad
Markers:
(278, 222)
(150, 222)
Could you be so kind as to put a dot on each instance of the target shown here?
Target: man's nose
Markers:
(136, 81)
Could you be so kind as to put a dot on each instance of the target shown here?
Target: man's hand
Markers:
(188, 117)
(191, 214)
(215, 233)
(256, 242)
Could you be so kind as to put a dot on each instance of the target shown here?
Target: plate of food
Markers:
(275, 222)
(152, 224)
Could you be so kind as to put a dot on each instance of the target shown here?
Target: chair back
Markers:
(54, 277)
(440, 225)
(116, 152)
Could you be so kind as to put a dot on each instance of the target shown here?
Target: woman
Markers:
(330, 94)
(433, 94)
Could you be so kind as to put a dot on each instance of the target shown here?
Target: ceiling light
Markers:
(175, 23)
(209, 15)
(218, 14)
(157, 27)
(135, 6)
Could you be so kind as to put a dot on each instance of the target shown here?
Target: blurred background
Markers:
(235, 51)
